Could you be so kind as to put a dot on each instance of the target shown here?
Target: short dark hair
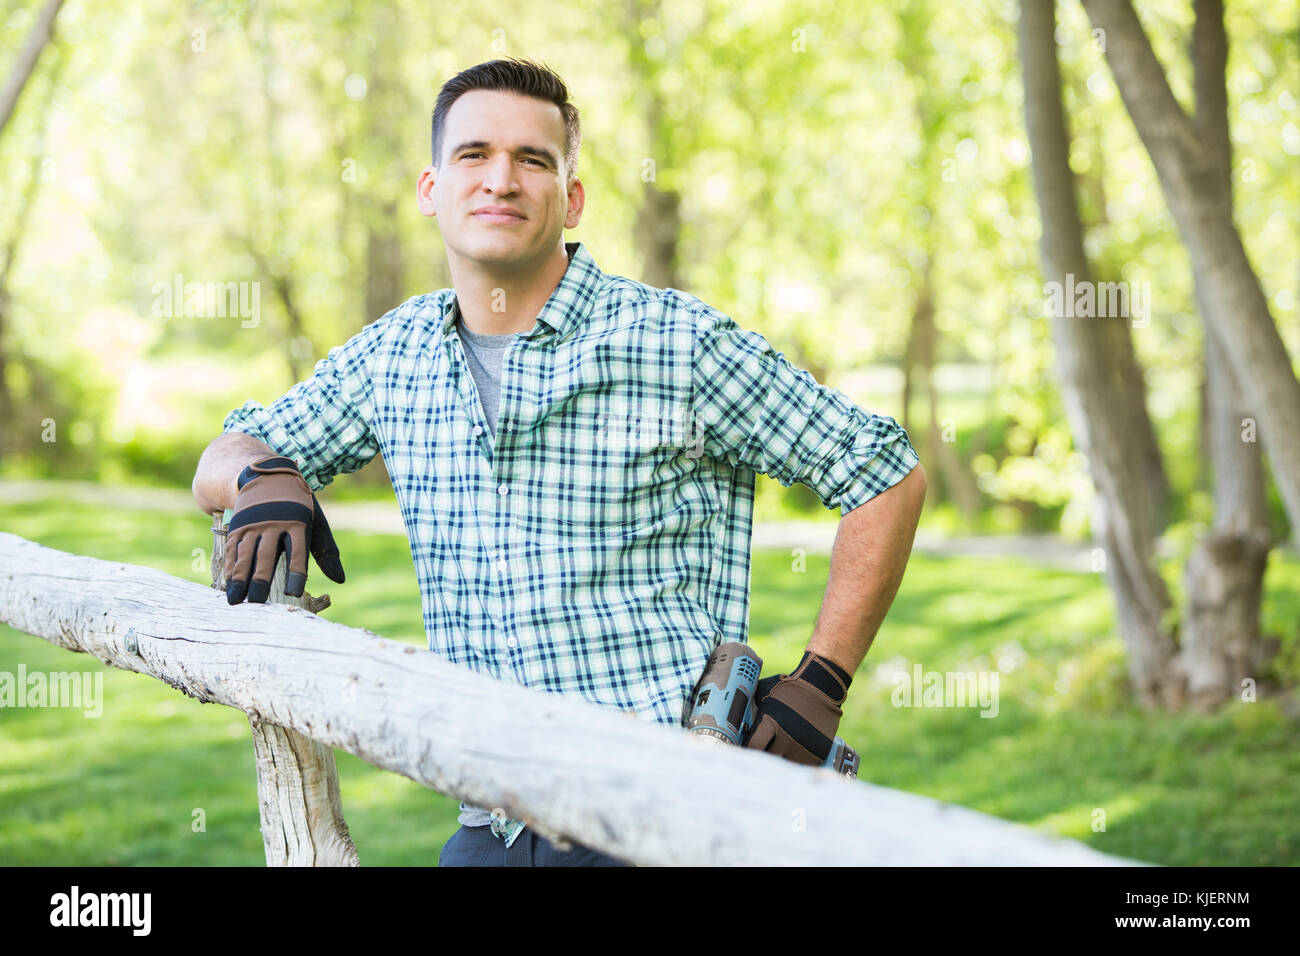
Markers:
(516, 76)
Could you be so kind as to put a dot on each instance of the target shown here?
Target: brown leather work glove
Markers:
(275, 512)
(798, 714)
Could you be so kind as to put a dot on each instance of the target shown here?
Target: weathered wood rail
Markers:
(574, 771)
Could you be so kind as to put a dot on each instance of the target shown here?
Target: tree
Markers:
(1225, 575)
(1190, 157)
(37, 40)
(1099, 405)
(11, 245)
(952, 475)
(658, 219)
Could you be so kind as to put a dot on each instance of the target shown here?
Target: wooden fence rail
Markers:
(574, 771)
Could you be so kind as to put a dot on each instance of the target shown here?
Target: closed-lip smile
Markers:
(499, 211)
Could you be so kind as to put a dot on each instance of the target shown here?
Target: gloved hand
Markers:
(798, 713)
(275, 512)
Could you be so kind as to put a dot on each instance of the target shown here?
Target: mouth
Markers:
(498, 216)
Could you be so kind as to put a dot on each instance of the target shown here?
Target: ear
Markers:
(577, 200)
(424, 191)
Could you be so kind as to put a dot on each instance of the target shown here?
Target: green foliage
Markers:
(832, 172)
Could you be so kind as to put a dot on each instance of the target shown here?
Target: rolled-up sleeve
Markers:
(752, 407)
(325, 423)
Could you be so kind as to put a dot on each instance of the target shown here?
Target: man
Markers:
(574, 455)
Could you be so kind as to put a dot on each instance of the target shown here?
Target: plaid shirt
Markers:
(600, 545)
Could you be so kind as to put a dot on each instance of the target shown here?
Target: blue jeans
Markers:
(476, 846)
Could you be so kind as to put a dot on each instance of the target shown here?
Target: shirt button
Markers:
(511, 642)
(478, 429)
(501, 490)
(501, 565)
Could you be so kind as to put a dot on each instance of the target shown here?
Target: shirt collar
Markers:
(570, 302)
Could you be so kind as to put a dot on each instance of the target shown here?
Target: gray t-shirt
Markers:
(485, 354)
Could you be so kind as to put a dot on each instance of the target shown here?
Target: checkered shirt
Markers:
(599, 545)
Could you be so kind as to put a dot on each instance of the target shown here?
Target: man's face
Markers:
(506, 151)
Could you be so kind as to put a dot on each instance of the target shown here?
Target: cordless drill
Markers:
(723, 706)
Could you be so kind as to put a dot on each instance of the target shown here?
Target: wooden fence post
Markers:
(297, 781)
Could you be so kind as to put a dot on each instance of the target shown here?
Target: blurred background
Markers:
(857, 182)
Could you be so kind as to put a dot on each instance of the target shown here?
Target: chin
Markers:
(499, 253)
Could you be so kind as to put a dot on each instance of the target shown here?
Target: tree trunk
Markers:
(1188, 161)
(1225, 575)
(283, 285)
(9, 255)
(1093, 185)
(1092, 380)
(1133, 393)
(658, 227)
(25, 64)
(953, 478)
(921, 347)
(383, 262)
(386, 97)
(908, 368)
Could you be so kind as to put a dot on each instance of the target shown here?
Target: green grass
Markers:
(123, 788)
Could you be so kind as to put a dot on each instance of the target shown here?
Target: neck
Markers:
(501, 302)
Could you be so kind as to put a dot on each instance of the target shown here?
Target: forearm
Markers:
(214, 485)
(871, 549)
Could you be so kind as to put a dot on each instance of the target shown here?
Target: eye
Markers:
(537, 161)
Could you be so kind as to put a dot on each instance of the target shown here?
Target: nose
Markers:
(499, 176)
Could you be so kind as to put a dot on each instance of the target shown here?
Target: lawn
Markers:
(162, 779)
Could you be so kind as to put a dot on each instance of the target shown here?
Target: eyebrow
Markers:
(519, 151)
